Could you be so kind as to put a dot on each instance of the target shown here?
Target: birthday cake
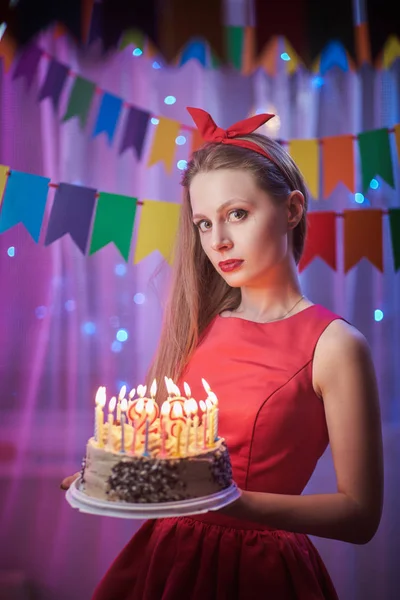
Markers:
(147, 455)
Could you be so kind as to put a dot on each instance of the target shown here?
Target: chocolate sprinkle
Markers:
(83, 467)
(221, 468)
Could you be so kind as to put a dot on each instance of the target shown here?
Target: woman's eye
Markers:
(203, 225)
(238, 214)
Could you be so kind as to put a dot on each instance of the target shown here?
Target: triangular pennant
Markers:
(52, 87)
(27, 64)
(362, 44)
(24, 201)
(72, 213)
(107, 118)
(294, 60)
(363, 237)
(80, 100)
(234, 41)
(136, 125)
(375, 156)
(113, 222)
(321, 239)
(397, 136)
(269, 57)
(8, 50)
(249, 51)
(394, 220)
(337, 162)
(333, 55)
(4, 171)
(157, 229)
(306, 154)
(132, 37)
(195, 49)
(163, 146)
(391, 51)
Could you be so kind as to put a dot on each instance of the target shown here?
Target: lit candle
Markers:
(214, 400)
(176, 428)
(210, 421)
(168, 384)
(124, 408)
(150, 407)
(204, 409)
(111, 408)
(131, 395)
(99, 415)
(121, 395)
(165, 408)
(133, 447)
(188, 411)
(195, 422)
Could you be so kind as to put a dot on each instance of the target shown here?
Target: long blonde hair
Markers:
(198, 293)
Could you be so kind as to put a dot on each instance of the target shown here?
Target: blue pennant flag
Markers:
(195, 49)
(107, 118)
(24, 202)
(334, 55)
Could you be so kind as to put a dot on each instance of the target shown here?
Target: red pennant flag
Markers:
(321, 239)
(363, 237)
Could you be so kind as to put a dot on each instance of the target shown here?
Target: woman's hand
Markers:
(68, 481)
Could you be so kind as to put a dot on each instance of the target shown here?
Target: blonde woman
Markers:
(290, 375)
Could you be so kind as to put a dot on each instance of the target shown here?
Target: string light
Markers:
(116, 346)
(120, 269)
(359, 198)
(374, 184)
(137, 52)
(180, 140)
(156, 65)
(89, 328)
(285, 56)
(169, 100)
(11, 251)
(122, 335)
(378, 315)
(154, 120)
(139, 298)
(181, 164)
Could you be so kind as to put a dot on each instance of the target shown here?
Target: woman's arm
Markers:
(344, 377)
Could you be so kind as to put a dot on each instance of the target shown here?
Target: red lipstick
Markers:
(230, 265)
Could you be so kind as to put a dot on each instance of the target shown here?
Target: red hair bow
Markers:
(210, 132)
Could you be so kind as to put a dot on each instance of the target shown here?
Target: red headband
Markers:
(210, 132)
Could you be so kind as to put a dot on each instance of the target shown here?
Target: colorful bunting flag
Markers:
(72, 213)
(27, 64)
(249, 51)
(113, 222)
(234, 42)
(163, 147)
(132, 37)
(363, 237)
(8, 50)
(294, 61)
(321, 239)
(391, 51)
(195, 49)
(333, 55)
(394, 220)
(52, 87)
(338, 163)
(3, 180)
(375, 156)
(157, 229)
(109, 111)
(24, 202)
(268, 59)
(306, 154)
(80, 100)
(135, 131)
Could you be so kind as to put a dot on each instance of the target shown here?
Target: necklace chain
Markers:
(286, 313)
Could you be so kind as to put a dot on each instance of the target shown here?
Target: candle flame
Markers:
(124, 404)
(168, 385)
(187, 407)
(150, 407)
(101, 396)
(165, 408)
(132, 393)
(213, 398)
(153, 389)
(203, 405)
(141, 390)
(188, 391)
(209, 404)
(122, 392)
(193, 405)
(140, 405)
(177, 410)
(111, 404)
(176, 390)
(206, 386)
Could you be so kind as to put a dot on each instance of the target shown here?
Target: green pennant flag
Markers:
(375, 156)
(79, 100)
(113, 222)
(234, 40)
(394, 220)
(132, 36)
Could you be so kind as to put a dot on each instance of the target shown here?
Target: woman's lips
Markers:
(230, 265)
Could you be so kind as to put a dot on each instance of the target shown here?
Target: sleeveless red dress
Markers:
(275, 429)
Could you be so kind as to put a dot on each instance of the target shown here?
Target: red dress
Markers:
(275, 429)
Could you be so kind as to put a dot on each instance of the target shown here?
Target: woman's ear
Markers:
(295, 208)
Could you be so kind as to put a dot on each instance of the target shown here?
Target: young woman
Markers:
(290, 376)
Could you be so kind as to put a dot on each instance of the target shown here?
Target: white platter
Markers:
(86, 504)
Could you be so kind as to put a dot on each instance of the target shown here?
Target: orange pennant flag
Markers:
(320, 240)
(397, 136)
(269, 57)
(306, 154)
(197, 141)
(164, 146)
(8, 50)
(338, 162)
(249, 51)
(363, 237)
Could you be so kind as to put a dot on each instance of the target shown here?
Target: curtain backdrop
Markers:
(60, 312)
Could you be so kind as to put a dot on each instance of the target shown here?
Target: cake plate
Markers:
(86, 504)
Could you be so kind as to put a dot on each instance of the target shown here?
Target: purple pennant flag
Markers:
(71, 213)
(57, 73)
(135, 130)
(27, 64)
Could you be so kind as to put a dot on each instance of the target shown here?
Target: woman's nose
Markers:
(221, 243)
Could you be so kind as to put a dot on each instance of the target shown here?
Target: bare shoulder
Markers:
(340, 346)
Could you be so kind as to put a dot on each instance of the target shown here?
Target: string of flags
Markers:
(96, 219)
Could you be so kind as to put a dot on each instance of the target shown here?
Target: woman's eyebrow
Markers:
(225, 205)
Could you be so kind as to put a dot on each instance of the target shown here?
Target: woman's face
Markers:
(239, 222)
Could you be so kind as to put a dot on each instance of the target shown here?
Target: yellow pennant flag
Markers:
(397, 136)
(305, 154)
(294, 62)
(391, 51)
(3, 180)
(157, 229)
(163, 146)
